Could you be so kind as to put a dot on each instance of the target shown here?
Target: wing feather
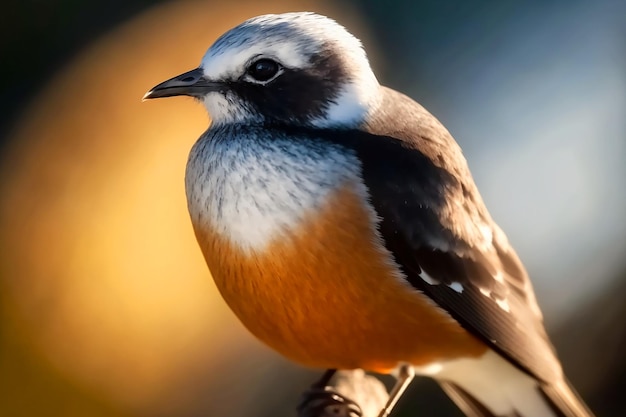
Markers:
(434, 222)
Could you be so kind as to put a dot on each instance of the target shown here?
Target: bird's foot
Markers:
(326, 402)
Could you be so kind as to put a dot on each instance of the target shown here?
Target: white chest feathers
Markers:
(252, 190)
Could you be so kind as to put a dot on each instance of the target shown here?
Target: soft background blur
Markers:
(106, 306)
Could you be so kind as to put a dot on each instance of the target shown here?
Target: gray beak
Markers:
(192, 83)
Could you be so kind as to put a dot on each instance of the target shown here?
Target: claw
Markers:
(322, 402)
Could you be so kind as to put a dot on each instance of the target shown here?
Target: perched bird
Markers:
(342, 226)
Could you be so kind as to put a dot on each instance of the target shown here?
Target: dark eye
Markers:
(264, 69)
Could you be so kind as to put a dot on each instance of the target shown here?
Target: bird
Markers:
(342, 226)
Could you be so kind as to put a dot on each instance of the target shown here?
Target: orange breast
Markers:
(327, 296)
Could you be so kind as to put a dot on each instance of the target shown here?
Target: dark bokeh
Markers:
(38, 37)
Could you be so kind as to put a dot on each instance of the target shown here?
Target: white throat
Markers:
(253, 191)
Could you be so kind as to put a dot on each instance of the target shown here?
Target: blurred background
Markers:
(106, 305)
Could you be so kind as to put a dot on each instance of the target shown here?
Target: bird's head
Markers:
(293, 68)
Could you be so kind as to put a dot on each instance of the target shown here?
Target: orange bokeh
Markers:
(107, 307)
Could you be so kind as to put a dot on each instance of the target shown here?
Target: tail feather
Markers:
(470, 406)
(565, 400)
(561, 399)
(490, 386)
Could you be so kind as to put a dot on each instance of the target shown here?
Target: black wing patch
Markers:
(409, 193)
(435, 224)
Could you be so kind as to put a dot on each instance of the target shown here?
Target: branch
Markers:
(365, 390)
